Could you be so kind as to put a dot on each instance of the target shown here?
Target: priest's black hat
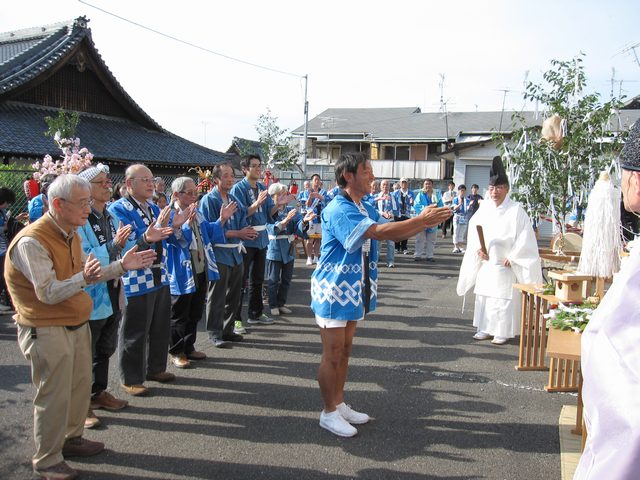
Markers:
(630, 155)
(497, 174)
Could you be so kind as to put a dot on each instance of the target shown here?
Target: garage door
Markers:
(477, 174)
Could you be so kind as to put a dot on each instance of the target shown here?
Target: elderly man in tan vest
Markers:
(46, 272)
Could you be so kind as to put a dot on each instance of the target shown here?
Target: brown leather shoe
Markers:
(81, 447)
(195, 355)
(180, 361)
(91, 421)
(138, 390)
(161, 377)
(107, 401)
(59, 471)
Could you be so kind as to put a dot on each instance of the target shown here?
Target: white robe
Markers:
(508, 234)
(611, 388)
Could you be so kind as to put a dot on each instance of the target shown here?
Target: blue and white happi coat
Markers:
(423, 200)
(179, 264)
(337, 284)
(316, 206)
(461, 216)
(99, 291)
(281, 239)
(210, 207)
(140, 282)
(387, 203)
(245, 196)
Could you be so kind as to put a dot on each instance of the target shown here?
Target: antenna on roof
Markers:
(443, 105)
(504, 99)
(631, 48)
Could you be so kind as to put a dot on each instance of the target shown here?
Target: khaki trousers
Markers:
(61, 372)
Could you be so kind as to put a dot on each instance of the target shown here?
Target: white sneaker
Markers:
(275, 312)
(238, 328)
(285, 310)
(309, 261)
(481, 336)
(336, 424)
(499, 340)
(351, 416)
(316, 260)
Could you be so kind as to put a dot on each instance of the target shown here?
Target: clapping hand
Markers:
(262, 197)
(134, 260)
(292, 213)
(309, 216)
(92, 270)
(122, 235)
(155, 234)
(163, 218)
(227, 211)
(247, 233)
(285, 199)
(186, 215)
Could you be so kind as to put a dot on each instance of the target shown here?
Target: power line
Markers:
(157, 32)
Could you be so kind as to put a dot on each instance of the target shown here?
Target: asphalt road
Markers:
(444, 405)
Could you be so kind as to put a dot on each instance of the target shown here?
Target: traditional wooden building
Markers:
(53, 67)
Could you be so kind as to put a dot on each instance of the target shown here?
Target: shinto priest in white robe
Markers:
(508, 234)
(611, 389)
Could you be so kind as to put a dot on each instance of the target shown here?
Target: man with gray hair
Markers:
(191, 264)
(47, 273)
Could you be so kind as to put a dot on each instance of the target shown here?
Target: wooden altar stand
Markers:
(564, 373)
(533, 330)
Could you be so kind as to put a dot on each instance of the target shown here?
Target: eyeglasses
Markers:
(82, 204)
(104, 182)
(191, 193)
(143, 179)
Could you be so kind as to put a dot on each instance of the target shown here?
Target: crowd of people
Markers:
(131, 269)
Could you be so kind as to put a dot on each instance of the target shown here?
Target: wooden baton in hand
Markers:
(483, 247)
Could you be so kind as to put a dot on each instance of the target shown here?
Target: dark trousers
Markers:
(104, 340)
(223, 298)
(254, 268)
(401, 246)
(144, 336)
(447, 225)
(186, 312)
(279, 277)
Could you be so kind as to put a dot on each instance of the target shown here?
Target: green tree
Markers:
(553, 179)
(64, 125)
(276, 143)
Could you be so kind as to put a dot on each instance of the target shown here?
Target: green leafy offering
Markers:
(573, 318)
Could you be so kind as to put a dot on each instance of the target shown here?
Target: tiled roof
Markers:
(243, 146)
(408, 123)
(22, 128)
(397, 124)
(27, 54)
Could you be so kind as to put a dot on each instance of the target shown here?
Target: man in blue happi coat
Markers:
(144, 334)
(192, 264)
(344, 284)
(223, 296)
(255, 200)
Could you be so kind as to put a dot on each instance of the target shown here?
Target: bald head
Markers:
(139, 181)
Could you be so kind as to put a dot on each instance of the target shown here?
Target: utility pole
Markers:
(306, 126)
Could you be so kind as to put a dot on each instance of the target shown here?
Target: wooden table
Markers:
(533, 329)
(564, 346)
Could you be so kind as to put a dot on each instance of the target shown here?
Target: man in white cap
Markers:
(611, 357)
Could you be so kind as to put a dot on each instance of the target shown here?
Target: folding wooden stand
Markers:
(533, 330)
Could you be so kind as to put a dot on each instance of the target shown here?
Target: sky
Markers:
(356, 53)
